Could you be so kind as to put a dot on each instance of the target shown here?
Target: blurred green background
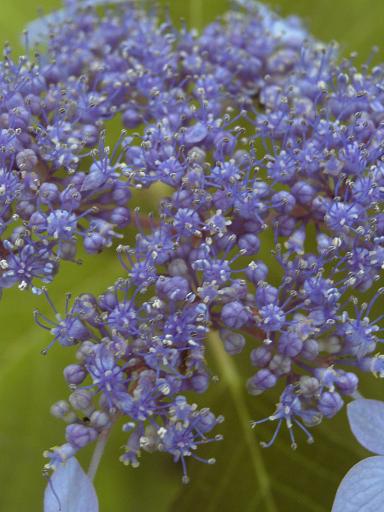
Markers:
(245, 478)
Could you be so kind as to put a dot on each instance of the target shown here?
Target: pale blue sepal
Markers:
(70, 490)
(362, 488)
(366, 418)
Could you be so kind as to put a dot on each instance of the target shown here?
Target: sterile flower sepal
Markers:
(362, 488)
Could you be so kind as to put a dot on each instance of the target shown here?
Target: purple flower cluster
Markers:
(253, 128)
(59, 181)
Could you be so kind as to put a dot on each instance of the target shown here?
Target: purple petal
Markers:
(196, 133)
(366, 418)
(93, 180)
(70, 490)
(362, 488)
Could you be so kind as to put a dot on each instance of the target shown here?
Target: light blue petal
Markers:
(93, 180)
(196, 133)
(366, 418)
(362, 488)
(38, 30)
(70, 490)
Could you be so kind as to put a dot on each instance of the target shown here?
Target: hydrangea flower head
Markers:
(253, 131)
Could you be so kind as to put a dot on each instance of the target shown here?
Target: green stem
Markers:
(231, 378)
(98, 453)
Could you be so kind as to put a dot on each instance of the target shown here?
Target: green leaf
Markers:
(354, 24)
(15, 15)
(235, 384)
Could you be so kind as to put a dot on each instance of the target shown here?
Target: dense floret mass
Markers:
(271, 155)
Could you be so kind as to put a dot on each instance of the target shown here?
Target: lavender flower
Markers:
(251, 127)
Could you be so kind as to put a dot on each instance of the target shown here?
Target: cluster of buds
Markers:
(257, 133)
